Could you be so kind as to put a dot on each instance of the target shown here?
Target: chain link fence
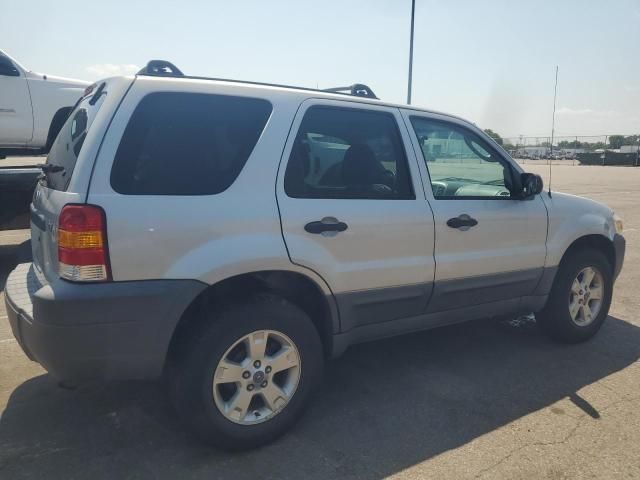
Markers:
(576, 149)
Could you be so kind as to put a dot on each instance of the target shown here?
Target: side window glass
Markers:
(460, 163)
(348, 153)
(7, 68)
(187, 143)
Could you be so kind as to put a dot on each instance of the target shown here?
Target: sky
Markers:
(491, 62)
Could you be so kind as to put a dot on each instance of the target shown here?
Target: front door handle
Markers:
(326, 225)
(462, 222)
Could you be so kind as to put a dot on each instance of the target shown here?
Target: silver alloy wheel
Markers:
(256, 377)
(585, 298)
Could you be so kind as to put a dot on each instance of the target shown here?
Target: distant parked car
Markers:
(33, 107)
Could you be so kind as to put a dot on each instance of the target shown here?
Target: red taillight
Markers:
(83, 255)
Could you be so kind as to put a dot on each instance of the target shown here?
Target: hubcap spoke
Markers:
(274, 397)
(573, 309)
(256, 345)
(285, 359)
(587, 277)
(239, 404)
(575, 287)
(586, 312)
(228, 372)
(595, 293)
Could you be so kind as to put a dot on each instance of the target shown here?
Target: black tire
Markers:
(56, 124)
(190, 374)
(555, 319)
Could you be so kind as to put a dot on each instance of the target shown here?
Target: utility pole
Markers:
(553, 120)
(413, 12)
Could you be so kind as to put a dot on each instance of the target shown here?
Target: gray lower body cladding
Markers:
(445, 303)
(368, 307)
(111, 330)
(619, 247)
(122, 330)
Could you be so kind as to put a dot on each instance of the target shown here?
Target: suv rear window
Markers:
(187, 143)
(66, 148)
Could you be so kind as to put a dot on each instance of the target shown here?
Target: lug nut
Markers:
(267, 370)
(256, 364)
(264, 384)
(250, 387)
(246, 374)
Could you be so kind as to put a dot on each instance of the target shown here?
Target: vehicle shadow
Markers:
(10, 256)
(384, 407)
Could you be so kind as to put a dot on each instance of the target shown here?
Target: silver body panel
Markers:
(397, 260)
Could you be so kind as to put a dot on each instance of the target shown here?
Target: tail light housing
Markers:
(83, 254)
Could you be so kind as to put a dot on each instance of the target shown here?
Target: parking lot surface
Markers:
(480, 400)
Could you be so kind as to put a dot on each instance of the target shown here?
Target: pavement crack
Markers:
(565, 439)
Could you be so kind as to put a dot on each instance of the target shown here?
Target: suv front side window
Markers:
(461, 164)
(348, 153)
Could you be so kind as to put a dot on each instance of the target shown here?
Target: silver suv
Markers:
(230, 236)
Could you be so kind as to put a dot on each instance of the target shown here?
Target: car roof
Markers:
(311, 92)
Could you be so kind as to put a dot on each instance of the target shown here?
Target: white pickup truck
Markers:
(33, 106)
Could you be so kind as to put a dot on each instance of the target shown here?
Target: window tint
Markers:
(460, 163)
(68, 144)
(7, 68)
(187, 143)
(348, 153)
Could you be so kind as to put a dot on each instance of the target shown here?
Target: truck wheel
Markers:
(244, 375)
(580, 298)
(56, 124)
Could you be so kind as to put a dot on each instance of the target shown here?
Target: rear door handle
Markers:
(462, 222)
(326, 225)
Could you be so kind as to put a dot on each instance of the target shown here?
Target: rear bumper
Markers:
(619, 246)
(105, 331)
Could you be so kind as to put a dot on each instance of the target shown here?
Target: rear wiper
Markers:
(49, 167)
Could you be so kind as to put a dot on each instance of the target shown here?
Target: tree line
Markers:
(614, 142)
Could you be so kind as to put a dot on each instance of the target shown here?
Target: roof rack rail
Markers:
(357, 90)
(161, 68)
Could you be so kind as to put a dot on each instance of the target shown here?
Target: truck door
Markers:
(16, 118)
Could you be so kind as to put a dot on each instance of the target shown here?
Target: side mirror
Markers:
(532, 184)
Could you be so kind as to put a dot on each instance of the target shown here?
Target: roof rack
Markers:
(357, 90)
(163, 68)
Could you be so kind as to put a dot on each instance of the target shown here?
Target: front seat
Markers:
(362, 170)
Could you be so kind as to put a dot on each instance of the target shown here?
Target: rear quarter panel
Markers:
(206, 237)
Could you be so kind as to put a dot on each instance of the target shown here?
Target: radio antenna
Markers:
(553, 126)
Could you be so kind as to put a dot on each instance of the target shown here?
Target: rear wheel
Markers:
(245, 375)
(580, 298)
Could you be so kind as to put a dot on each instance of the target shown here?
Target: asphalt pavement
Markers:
(479, 400)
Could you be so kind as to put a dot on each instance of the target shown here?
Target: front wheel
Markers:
(245, 375)
(580, 298)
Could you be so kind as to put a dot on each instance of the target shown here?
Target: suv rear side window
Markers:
(187, 143)
(348, 153)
